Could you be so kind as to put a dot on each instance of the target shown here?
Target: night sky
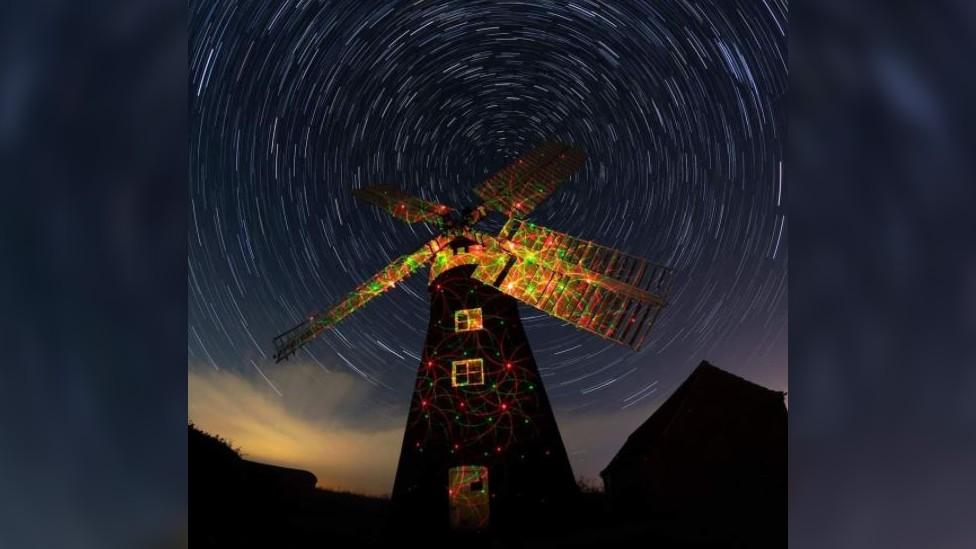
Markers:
(678, 105)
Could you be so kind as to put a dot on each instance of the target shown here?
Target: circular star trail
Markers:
(678, 106)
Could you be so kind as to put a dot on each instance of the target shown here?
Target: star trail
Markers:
(679, 107)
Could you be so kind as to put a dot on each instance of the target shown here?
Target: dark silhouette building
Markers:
(481, 448)
(714, 456)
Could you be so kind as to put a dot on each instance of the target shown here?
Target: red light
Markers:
(508, 365)
(504, 406)
(456, 446)
(423, 403)
(462, 405)
(430, 363)
(498, 449)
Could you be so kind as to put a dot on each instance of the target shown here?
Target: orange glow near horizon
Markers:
(266, 430)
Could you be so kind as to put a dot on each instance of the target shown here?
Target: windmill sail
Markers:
(289, 342)
(563, 252)
(401, 205)
(586, 299)
(518, 188)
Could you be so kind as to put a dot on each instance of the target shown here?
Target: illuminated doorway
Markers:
(468, 495)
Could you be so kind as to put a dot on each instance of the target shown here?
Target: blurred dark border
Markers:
(883, 274)
(93, 136)
(881, 189)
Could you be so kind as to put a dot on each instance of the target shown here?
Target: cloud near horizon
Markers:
(327, 423)
(305, 428)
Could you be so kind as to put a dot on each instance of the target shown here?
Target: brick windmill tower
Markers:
(481, 447)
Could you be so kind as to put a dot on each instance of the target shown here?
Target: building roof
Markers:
(706, 382)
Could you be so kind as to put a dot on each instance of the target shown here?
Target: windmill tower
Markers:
(481, 447)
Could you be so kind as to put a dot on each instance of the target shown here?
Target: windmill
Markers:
(481, 446)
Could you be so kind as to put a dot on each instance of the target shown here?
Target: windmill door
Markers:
(468, 497)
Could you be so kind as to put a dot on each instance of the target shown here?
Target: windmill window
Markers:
(467, 372)
(467, 320)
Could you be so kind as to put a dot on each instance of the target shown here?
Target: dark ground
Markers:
(234, 502)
